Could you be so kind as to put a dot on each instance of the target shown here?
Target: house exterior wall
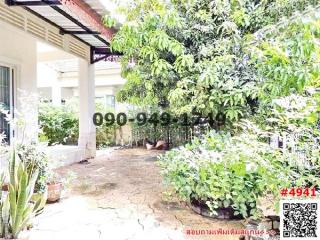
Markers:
(19, 32)
(19, 51)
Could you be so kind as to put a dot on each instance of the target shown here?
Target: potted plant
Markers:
(55, 187)
(34, 158)
(16, 207)
(4, 186)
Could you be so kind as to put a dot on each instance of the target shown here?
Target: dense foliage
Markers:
(257, 60)
(195, 54)
(59, 124)
(289, 61)
(221, 171)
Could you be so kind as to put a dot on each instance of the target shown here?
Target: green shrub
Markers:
(105, 136)
(229, 171)
(60, 124)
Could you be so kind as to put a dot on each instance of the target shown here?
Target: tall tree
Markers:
(195, 54)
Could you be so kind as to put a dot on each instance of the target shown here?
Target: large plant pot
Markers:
(54, 192)
(222, 213)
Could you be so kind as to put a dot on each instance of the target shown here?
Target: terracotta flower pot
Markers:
(24, 235)
(5, 188)
(54, 192)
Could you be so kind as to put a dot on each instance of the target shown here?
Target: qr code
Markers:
(299, 219)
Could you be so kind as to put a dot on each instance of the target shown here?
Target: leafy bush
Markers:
(105, 136)
(221, 170)
(35, 160)
(59, 124)
(230, 171)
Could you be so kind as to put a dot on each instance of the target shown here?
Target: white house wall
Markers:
(19, 50)
(19, 32)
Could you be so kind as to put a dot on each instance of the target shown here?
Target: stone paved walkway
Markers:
(118, 196)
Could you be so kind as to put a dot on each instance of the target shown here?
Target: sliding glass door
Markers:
(5, 99)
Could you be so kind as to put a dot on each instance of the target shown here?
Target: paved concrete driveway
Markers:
(118, 196)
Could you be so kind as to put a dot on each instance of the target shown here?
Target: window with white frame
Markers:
(6, 99)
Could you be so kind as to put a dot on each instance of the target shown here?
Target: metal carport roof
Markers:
(80, 18)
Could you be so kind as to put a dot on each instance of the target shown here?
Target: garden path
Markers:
(118, 196)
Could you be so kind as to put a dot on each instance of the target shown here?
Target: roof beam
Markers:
(78, 32)
(33, 3)
(85, 12)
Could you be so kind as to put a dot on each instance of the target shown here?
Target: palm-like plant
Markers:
(16, 207)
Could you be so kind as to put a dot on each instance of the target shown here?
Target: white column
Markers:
(56, 94)
(87, 130)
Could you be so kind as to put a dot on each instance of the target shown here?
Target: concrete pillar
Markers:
(87, 130)
(56, 94)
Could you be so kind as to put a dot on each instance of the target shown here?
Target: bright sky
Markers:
(111, 6)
